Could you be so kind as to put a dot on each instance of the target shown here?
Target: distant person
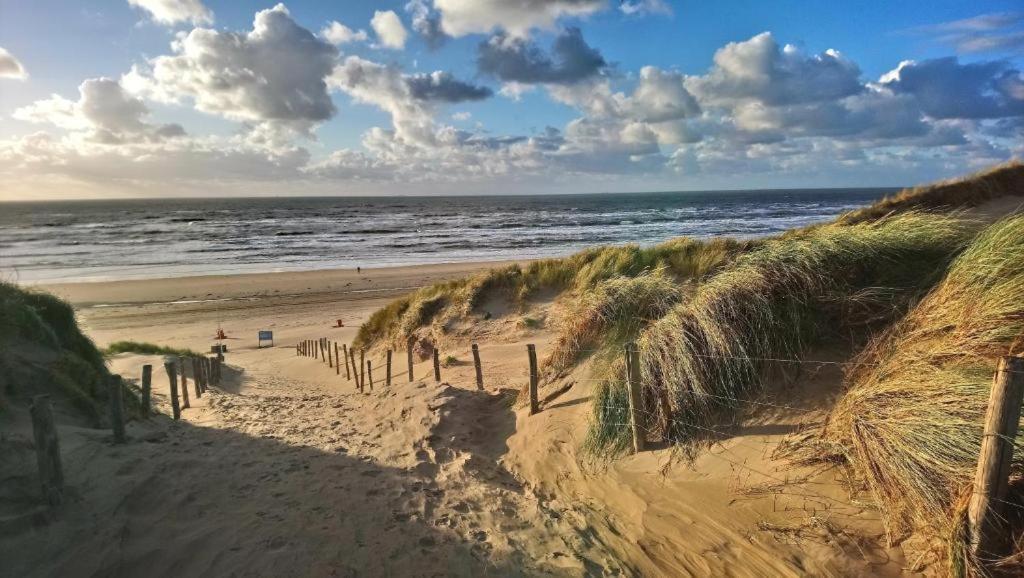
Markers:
(359, 269)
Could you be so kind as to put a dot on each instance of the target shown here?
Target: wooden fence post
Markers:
(147, 388)
(197, 379)
(172, 377)
(116, 408)
(51, 473)
(387, 373)
(352, 358)
(337, 360)
(344, 351)
(531, 350)
(991, 482)
(408, 351)
(362, 370)
(184, 384)
(369, 372)
(437, 365)
(204, 373)
(479, 370)
(635, 397)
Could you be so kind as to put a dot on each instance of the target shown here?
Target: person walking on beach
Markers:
(359, 269)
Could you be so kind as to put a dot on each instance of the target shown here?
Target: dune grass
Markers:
(793, 292)
(145, 348)
(42, 350)
(911, 423)
(433, 307)
(614, 313)
(970, 191)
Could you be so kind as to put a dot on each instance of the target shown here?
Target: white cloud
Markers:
(10, 67)
(427, 23)
(516, 17)
(994, 32)
(389, 28)
(639, 7)
(337, 33)
(760, 70)
(274, 75)
(104, 113)
(174, 11)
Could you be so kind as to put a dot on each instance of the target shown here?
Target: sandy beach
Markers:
(287, 470)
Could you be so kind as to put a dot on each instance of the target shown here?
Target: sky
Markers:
(165, 98)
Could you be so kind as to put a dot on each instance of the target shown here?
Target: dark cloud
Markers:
(443, 87)
(515, 60)
(945, 88)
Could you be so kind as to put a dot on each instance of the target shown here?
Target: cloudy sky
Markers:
(153, 98)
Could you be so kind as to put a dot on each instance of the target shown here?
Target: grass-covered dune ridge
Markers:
(911, 423)
(435, 306)
(775, 302)
(970, 191)
(42, 350)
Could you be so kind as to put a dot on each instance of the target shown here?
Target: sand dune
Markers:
(287, 470)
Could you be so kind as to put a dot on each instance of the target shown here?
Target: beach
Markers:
(286, 469)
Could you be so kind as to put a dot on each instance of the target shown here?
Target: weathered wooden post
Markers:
(184, 384)
(531, 351)
(147, 388)
(362, 370)
(387, 372)
(337, 360)
(116, 408)
(991, 482)
(408, 351)
(217, 366)
(172, 377)
(437, 365)
(344, 352)
(323, 347)
(196, 379)
(369, 372)
(204, 375)
(352, 359)
(476, 365)
(635, 397)
(44, 432)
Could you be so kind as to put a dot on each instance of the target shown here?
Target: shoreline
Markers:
(347, 284)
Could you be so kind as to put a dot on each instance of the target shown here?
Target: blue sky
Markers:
(184, 97)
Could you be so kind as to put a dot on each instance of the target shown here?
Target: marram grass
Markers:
(611, 315)
(431, 308)
(911, 423)
(791, 293)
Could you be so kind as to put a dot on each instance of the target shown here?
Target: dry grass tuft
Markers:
(775, 302)
(970, 191)
(611, 315)
(911, 423)
(575, 275)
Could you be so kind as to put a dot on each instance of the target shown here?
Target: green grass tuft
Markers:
(144, 348)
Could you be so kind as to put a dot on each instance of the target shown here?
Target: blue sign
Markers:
(265, 336)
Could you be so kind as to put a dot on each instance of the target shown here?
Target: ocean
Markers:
(98, 240)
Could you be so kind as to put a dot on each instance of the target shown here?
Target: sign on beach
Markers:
(265, 336)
